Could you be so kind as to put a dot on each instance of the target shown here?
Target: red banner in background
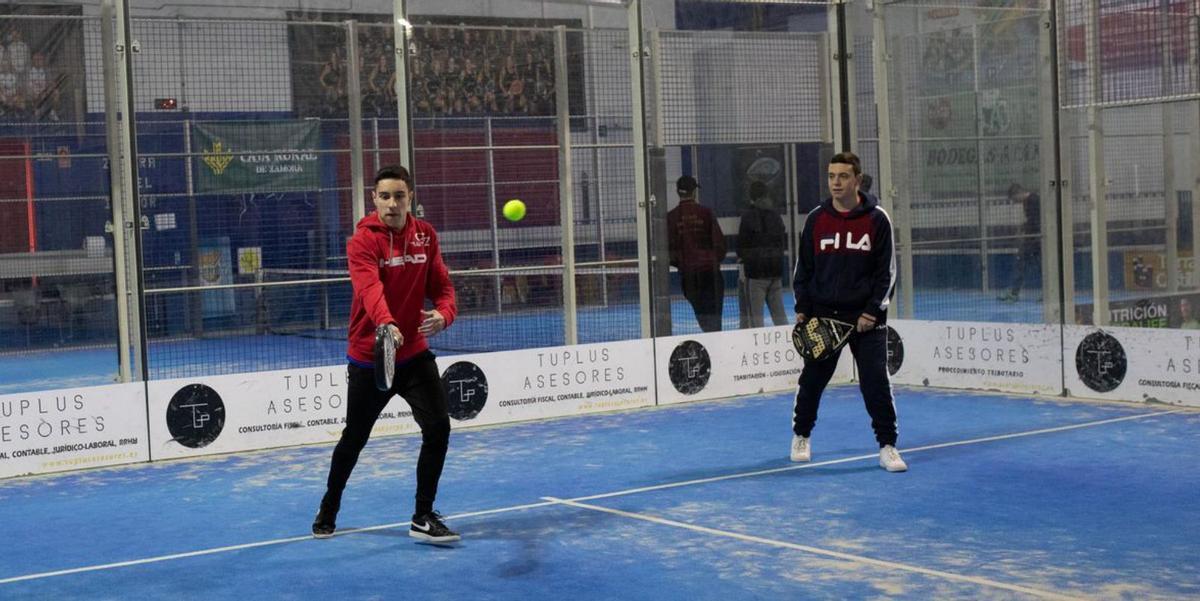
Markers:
(452, 185)
(1132, 36)
(14, 192)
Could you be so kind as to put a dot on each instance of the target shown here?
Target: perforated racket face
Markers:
(385, 358)
(818, 338)
(802, 340)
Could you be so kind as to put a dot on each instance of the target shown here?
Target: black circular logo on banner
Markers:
(690, 367)
(466, 389)
(195, 416)
(1100, 361)
(895, 351)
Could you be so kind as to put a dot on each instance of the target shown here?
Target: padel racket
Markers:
(385, 358)
(818, 338)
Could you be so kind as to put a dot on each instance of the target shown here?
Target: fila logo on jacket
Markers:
(836, 242)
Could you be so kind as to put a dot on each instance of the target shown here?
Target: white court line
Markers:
(265, 543)
(879, 563)
(802, 466)
(630, 491)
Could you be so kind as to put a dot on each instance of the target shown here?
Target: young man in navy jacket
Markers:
(847, 271)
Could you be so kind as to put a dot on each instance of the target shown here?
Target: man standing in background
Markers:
(1030, 248)
(697, 248)
(761, 243)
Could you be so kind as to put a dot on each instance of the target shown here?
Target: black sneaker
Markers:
(323, 525)
(430, 528)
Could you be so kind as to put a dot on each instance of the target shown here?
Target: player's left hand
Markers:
(865, 322)
(432, 322)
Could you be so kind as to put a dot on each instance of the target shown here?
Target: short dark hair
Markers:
(686, 184)
(1015, 189)
(847, 158)
(394, 172)
(757, 190)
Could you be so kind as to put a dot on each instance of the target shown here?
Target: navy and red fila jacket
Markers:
(392, 273)
(847, 263)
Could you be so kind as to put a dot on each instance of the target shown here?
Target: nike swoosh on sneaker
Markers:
(422, 527)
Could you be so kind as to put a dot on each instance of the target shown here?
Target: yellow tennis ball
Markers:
(514, 210)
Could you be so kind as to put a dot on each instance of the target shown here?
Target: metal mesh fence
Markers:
(727, 88)
(605, 211)
(246, 163)
(239, 172)
(472, 158)
(734, 108)
(1146, 218)
(1130, 120)
(865, 109)
(247, 212)
(967, 136)
(56, 263)
(1114, 53)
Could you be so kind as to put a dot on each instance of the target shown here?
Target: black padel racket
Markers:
(385, 358)
(818, 338)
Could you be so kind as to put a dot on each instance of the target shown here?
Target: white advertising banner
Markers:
(1133, 364)
(241, 412)
(1006, 357)
(716, 365)
(73, 428)
(493, 388)
(225, 414)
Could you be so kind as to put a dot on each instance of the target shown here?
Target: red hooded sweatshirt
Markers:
(393, 272)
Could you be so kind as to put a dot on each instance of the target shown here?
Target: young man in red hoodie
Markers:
(395, 264)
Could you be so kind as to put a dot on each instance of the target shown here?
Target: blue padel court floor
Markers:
(1005, 498)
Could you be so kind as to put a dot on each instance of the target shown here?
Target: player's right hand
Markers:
(396, 335)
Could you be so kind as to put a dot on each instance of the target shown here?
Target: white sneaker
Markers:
(801, 450)
(889, 459)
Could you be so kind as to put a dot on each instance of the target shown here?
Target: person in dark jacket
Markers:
(1029, 251)
(697, 248)
(761, 243)
(846, 270)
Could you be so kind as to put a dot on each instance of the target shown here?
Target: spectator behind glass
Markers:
(18, 52)
(41, 93)
(12, 105)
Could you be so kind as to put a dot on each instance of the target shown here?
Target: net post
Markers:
(566, 186)
(1049, 152)
(1194, 142)
(1193, 119)
(656, 208)
(1170, 184)
(633, 12)
(889, 188)
(984, 202)
(840, 76)
(403, 37)
(497, 287)
(195, 306)
(1097, 183)
(354, 102)
(115, 74)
